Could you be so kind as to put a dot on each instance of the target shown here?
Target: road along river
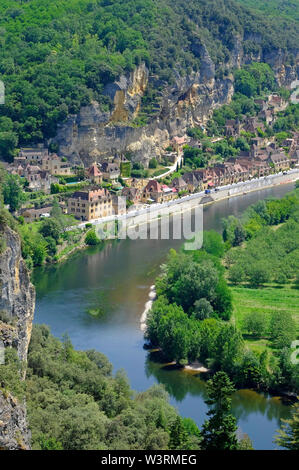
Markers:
(116, 279)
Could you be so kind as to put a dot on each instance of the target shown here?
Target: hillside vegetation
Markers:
(279, 8)
(56, 56)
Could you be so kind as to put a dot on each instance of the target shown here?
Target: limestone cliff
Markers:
(94, 134)
(17, 304)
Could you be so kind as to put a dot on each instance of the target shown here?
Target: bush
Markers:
(91, 238)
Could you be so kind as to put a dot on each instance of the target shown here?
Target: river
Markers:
(116, 278)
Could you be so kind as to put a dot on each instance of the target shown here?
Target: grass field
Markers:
(265, 300)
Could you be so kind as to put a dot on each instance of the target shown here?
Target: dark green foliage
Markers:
(51, 228)
(91, 238)
(255, 323)
(288, 435)
(153, 163)
(282, 329)
(57, 58)
(269, 255)
(13, 192)
(219, 432)
(75, 403)
(254, 79)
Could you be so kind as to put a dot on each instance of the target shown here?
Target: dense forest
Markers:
(279, 8)
(56, 56)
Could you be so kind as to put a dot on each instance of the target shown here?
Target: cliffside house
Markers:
(252, 124)
(178, 143)
(30, 215)
(179, 184)
(110, 170)
(267, 115)
(276, 102)
(132, 194)
(90, 204)
(280, 161)
(55, 165)
(94, 174)
(232, 127)
(153, 192)
(31, 155)
(39, 180)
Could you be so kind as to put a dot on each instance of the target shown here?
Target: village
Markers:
(93, 192)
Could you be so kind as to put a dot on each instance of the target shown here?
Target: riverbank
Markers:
(117, 277)
(135, 219)
(155, 211)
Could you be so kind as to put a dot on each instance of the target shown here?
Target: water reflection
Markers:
(116, 277)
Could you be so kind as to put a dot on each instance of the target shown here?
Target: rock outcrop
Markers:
(14, 433)
(94, 134)
(17, 304)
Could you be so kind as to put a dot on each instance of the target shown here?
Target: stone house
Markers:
(193, 181)
(110, 170)
(39, 180)
(30, 215)
(232, 128)
(55, 165)
(280, 161)
(94, 174)
(31, 155)
(132, 194)
(179, 184)
(153, 191)
(178, 143)
(90, 204)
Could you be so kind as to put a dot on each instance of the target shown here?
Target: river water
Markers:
(116, 278)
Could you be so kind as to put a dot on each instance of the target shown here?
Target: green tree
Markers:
(282, 329)
(91, 238)
(219, 432)
(51, 228)
(255, 323)
(178, 435)
(288, 435)
(12, 192)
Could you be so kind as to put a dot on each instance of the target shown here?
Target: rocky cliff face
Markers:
(17, 304)
(14, 433)
(93, 135)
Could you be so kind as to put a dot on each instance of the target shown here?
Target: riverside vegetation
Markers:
(199, 316)
(74, 403)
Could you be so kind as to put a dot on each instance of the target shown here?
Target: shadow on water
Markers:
(114, 280)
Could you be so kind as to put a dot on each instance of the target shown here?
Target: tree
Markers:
(236, 274)
(178, 435)
(282, 329)
(288, 435)
(255, 323)
(12, 192)
(258, 273)
(213, 243)
(91, 238)
(202, 309)
(51, 228)
(219, 432)
(153, 163)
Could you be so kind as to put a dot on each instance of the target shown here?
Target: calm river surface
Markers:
(117, 279)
